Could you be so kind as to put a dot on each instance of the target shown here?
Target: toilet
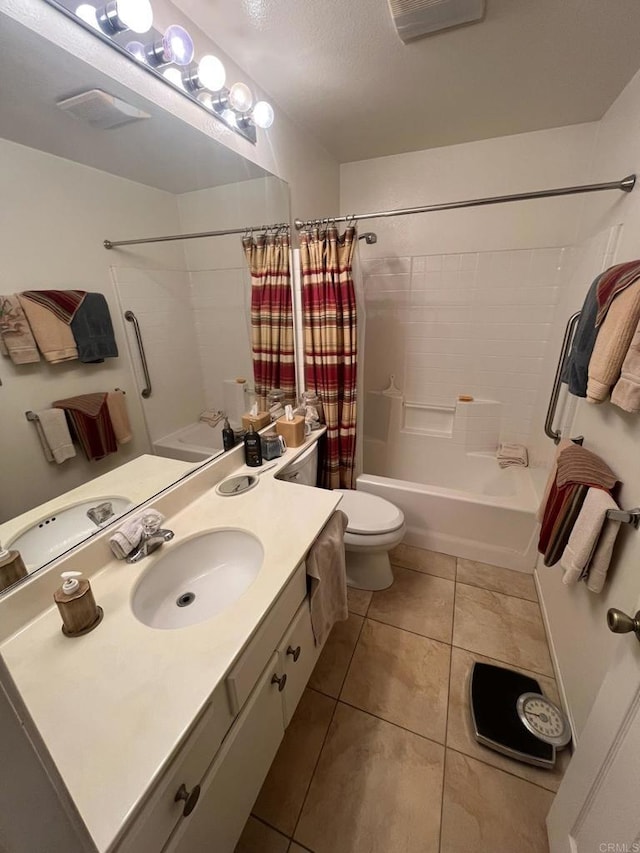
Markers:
(375, 526)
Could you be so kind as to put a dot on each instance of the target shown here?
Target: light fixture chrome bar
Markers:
(626, 185)
(113, 244)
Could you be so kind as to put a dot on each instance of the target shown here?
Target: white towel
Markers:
(579, 553)
(599, 565)
(128, 535)
(512, 454)
(54, 435)
(327, 569)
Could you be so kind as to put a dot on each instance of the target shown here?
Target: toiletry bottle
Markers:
(77, 606)
(252, 448)
(11, 568)
(228, 438)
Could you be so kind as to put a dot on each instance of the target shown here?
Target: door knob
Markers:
(621, 623)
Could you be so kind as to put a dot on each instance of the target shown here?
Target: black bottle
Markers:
(228, 438)
(252, 448)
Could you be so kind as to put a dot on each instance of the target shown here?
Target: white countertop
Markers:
(112, 706)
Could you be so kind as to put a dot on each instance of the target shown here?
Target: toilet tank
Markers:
(304, 469)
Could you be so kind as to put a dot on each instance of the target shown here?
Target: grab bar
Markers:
(131, 317)
(569, 332)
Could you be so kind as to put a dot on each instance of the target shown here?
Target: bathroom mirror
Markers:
(65, 187)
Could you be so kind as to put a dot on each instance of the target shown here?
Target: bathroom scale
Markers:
(510, 715)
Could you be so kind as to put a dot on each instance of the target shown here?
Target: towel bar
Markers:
(31, 416)
(625, 516)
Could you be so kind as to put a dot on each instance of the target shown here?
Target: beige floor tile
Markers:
(295, 848)
(358, 600)
(420, 560)
(258, 838)
(417, 602)
(488, 811)
(328, 675)
(283, 792)
(400, 677)
(377, 789)
(506, 581)
(460, 731)
(501, 627)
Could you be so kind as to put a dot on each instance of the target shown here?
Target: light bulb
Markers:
(88, 14)
(136, 49)
(177, 45)
(240, 97)
(230, 117)
(263, 115)
(135, 15)
(206, 99)
(211, 73)
(174, 75)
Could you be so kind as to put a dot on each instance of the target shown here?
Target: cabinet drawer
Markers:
(298, 655)
(245, 673)
(160, 813)
(233, 781)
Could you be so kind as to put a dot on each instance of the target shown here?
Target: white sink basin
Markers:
(54, 534)
(195, 579)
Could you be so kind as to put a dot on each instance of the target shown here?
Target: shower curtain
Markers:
(271, 315)
(331, 344)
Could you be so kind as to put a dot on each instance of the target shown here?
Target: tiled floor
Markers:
(380, 756)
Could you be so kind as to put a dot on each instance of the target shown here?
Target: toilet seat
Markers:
(368, 514)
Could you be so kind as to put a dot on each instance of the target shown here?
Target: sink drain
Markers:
(185, 599)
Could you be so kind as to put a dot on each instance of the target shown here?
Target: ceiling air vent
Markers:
(416, 18)
(101, 110)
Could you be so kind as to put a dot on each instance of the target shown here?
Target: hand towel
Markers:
(512, 454)
(54, 338)
(17, 337)
(576, 464)
(327, 569)
(612, 343)
(586, 532)
(564, 524)
(575, 371)
(62, 303)
(612, 282)
(128, 535)
(601, 560)
(117, 406)
(90, 418)
(565, 442)
(54, 435)
(626, 394)
(93, 331)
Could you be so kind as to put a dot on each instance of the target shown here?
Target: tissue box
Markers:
(291, 431)
(258, 421)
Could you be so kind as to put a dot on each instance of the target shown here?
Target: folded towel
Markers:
(117, 406)
(17, 339)
(54, 435)
(93, 330)
(128, 535)
(575, 371)
(53, 336)
(327, 569)
(612, 344)
(210, 417)
(612, 282)
(586, 532)
(626, 394)
(512, 454)
(90, 418)
(564, 523)
(601, 560)
(565, 442)
(576, 464)
(62, 303)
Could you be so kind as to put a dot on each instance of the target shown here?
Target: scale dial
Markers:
(544, 719)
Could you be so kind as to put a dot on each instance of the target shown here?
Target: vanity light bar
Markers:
(127, 26)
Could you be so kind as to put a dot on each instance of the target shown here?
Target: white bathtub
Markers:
(455, 502)
(192, 443)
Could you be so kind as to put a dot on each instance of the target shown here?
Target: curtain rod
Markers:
(626, 185)
(112, 244)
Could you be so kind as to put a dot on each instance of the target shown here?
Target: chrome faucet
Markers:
(101, 513)
(153, 537)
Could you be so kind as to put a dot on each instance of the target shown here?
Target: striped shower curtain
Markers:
(331, 344)
(271, 315)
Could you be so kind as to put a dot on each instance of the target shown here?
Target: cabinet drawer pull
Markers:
(190, 798)
(279, 681)
(295, 653)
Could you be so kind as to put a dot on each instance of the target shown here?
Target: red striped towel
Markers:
(89, 415)
(612, 282)
(63, 303)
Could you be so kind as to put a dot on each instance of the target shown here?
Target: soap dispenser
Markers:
(12, 568)
(252, 448)
(77, 606)
(228, 437)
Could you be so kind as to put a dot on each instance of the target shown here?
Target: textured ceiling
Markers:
(339, 68)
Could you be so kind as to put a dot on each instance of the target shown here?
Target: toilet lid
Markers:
(369, 513)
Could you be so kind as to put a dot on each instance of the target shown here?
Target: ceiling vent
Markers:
(416, 18)
(101, 110)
